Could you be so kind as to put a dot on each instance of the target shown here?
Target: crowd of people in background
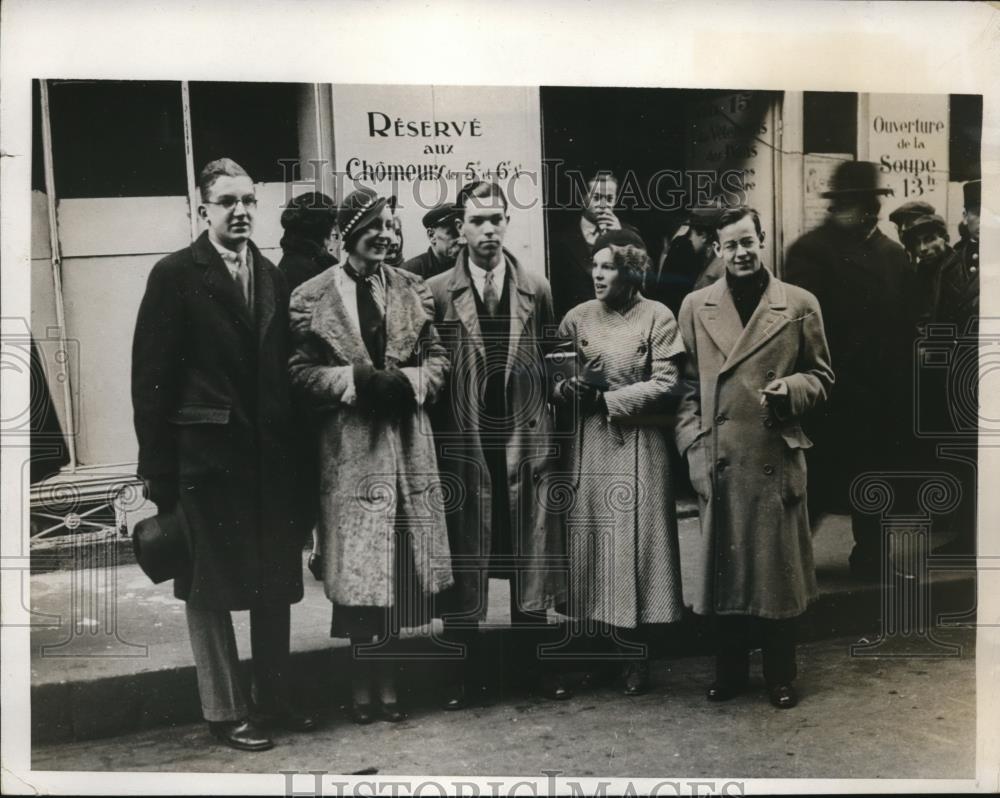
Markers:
(438, 422)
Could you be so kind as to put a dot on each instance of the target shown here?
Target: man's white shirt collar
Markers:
(479, 276)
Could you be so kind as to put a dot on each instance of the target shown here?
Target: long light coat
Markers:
(531, 452)
(746, 464)
(622, 522)
(375, 475)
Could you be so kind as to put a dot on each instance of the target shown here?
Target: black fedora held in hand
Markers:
(162, 545)
(853, 178)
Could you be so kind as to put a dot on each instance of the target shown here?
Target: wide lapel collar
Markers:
(522, 306)
(464, 301)
(332, 323)
(404, 317)
(719, 317)
(263, 293)
(766, 321)
(219, 282)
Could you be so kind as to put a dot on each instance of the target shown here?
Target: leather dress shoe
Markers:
(554, 687)
(636, 678)
(455, 698)
(287, 718)
(724, 691)
(392, 712)
(243, 735)
(362, 714)
(783, 696)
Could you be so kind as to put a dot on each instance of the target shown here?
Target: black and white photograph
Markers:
(525, 418)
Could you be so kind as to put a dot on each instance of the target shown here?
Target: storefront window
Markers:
(117, 139)
(830, 120)
(255, 124)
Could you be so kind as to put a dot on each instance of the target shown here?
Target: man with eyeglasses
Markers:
(213, 421)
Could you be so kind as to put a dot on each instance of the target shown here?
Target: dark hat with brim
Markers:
(928, 220)
(162, 545)
(855, 178)
(440, 215)
(904, 216)
(972, 194)
(617, 238)
(359, 209)
(704, 217)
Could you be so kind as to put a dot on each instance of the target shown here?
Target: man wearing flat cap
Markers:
(858, 275)
(904, 216)
(213, 418)
(444, 243)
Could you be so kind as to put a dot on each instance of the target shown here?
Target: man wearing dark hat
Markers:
(859, 276)
(444, 243)
(210, 393)
(691, 260)
(569, 251)
(495, 438)
(904, 216)
(968, 243)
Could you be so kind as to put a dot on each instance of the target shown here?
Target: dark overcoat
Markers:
(210, 395)
(531, 455)
(426, 265)
(862, 285)
(747, 465)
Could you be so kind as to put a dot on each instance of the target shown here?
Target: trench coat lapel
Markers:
(464, 301)
(220, 284)
(763, 325)
(332, 323)
(522, 302)
(719, 318)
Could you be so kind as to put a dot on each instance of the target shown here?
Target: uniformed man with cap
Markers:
(442, 233)
(968, 244)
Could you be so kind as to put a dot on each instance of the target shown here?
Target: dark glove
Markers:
(162, 492)
(590, 397)
(392, 394)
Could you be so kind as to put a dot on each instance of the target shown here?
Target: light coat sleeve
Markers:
(688, 427)
(647, 397)
(429, 376)
(320, 384)
(813, 380)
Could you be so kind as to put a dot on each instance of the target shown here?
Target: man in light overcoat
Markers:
(758, 362)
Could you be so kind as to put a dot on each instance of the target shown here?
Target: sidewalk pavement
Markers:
(859, 717)
(110, 651)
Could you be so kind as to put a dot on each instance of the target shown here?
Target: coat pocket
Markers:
(793, 471)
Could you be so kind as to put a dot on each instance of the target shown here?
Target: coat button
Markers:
(584, 342)
(720, 419)
(769, 469)
(768, 423)
(771, 375)
(532, 423)
(642, 349)
(721, 465)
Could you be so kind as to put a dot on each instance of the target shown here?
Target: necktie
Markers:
(371, 313)
(490, 297)
(237, 263)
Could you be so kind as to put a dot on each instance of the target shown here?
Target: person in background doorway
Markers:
(757, 363)
(691, 261)
(394, 257)
(904, 216)
(442, 232)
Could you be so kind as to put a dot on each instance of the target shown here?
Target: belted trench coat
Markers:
(747, 464)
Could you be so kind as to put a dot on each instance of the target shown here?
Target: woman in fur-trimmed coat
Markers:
(366, 358)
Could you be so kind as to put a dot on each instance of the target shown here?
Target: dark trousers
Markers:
(217, 661)
(735, 635)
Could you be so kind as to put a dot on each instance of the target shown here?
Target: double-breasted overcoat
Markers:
(378, 477)
(531, 455)
(212, 416)
(747, 463)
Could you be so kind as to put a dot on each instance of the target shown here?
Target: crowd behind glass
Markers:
(438, 422)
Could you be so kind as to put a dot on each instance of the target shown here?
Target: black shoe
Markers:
(636, 678)
(362, 714)
(392, 712)
(783, 696)
(315, 566)
(724, 691)
(243, 735)
(554, 687)
(455, 698)
(288, 718)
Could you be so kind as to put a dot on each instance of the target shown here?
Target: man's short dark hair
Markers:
(478, 189)
(602, 174)
(733, 215)
(213, 170)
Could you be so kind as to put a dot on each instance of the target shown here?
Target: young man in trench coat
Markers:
(493, 430)
(210, 395)
(758, 361)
